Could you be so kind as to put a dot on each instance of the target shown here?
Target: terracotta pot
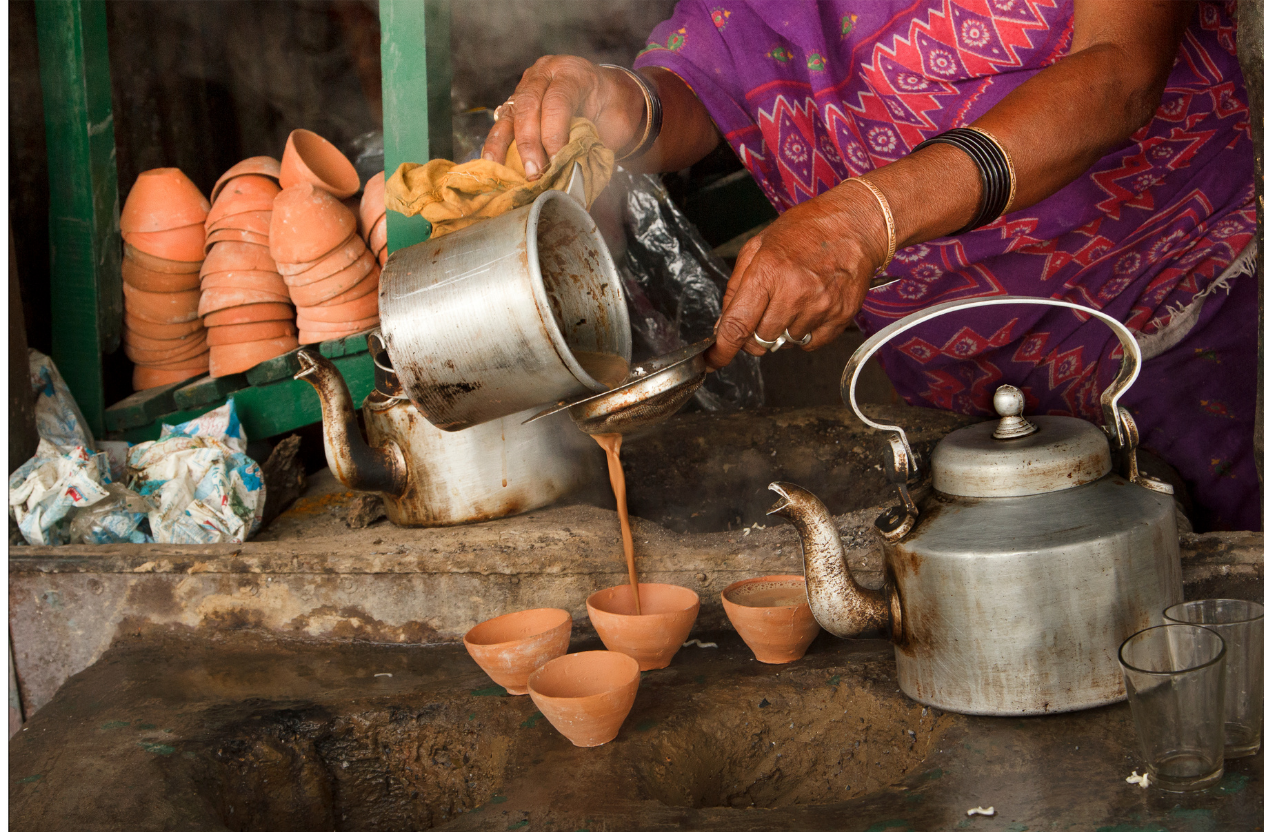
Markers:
(372, 203)
(307, 224)
(184, 243)
(162, 198)
(261, 281)
(772, 616)
(586, 696)
(352, 253)
(377, 237)
(310, 158)
(243, 194)
(307, 336)
(234, 235)
(142, 278)
(257, 165)
(219, 336)
(154, 329)
(511, 647)
(165, 358)
(161, 307)
(313, 294)
(146, 342)
(250, 313)
(238, 358)
(368, 286)
(256, 222)
(145, 378)
(214, 300)
(654, 636)
(159, 264)
(233, 257)
(355, 309)
(354, 325)
(198, 362)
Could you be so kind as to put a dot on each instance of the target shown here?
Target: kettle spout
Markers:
(354, 463)
(839, 604)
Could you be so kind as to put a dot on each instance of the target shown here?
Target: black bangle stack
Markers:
(994, 167)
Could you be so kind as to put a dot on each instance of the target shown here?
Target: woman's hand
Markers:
(807, 273)
(554, 90)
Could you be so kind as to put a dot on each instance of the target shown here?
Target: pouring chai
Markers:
(611, 443)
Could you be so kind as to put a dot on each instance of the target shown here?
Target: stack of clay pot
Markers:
(331, 274)
(245, 304)
(163, 235)
(373, 216)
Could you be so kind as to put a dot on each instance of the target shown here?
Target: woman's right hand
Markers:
(554, 90)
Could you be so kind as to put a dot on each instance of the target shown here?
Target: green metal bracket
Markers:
(416, 96)
(86, 281)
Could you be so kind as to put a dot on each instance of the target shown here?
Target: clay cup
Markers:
(766, 613)
(586, 696)
(654, 636)
(511, 647)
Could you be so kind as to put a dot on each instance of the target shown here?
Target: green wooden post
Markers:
(86, 283)
(416, 96)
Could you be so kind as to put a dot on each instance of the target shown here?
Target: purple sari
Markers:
(1157, 234)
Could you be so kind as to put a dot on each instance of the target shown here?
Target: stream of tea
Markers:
(611, 443)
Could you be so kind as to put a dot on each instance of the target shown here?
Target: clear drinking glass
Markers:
(1174, 674)
(1241, 625)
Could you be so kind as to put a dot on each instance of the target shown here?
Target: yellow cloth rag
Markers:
(452, 196)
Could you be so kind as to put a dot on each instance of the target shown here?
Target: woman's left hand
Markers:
(807, 273)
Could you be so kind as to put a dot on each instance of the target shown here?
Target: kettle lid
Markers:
(1017, 457)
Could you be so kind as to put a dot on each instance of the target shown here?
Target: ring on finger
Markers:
(801, 342)
(771, 346)
(499, 111)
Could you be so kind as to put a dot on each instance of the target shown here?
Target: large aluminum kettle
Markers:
(1014, 566)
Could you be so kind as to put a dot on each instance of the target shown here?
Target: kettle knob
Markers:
(1008, 401)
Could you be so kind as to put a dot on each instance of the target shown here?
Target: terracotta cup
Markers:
(243, 194)
(250, 313)
(258, 165)
(307, 224)
(654, 636)
(186, 243)
(344, 254)
(372, 203)
(162, 198)
(310, 158)
(254, 222)
(328, 290)
(228, 359)
(586, 696)
(772, 616)
(157, 329)
(220, 336)
(511, 647)
(160, 264)
(146, 280)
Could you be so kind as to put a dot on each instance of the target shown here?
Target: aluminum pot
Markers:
(503, 315)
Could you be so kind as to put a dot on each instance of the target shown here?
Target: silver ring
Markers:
(771, 346)
(782, 340)
(496, 113)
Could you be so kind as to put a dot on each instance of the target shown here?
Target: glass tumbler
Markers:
(1174, 674)
(1241, 625)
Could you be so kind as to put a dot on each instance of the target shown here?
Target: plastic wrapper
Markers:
(195, 484)
(203, 487)
(675, 285)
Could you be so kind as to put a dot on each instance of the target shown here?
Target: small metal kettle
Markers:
(1016, 565)
(430, 477)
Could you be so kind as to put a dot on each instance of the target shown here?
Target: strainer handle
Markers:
(1129, 368)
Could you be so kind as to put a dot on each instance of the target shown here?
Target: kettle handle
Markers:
(1129, 368)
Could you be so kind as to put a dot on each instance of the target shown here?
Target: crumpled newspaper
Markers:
(194, 484)
(203, 487)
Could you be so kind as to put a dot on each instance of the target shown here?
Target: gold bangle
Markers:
(1009, 163)
(886, 216)
(649, 110)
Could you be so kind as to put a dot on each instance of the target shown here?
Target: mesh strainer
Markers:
(652, 391)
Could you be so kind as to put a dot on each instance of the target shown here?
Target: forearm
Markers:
(1054, 126)
(687, 134)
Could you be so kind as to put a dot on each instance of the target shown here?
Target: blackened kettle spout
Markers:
(839, 604)
(355, 464)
